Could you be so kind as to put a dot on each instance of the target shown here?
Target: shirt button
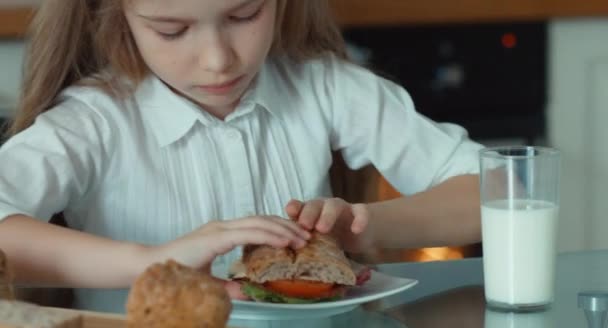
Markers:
(232, 134)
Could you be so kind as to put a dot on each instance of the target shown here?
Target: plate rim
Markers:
(407, 284)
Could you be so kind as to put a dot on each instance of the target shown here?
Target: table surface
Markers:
(450, 294)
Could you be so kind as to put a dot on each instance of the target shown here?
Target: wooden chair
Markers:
(55, 297)
(6, 287)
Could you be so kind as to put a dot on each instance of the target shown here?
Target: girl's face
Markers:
(206, 50)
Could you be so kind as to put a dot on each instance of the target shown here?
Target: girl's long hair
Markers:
(71, 40)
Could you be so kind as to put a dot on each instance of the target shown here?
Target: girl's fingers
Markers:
(332, 209)
(292, 225)
(310, 214)
(296, 235)
(293, 208)
(360, 218)
(229, 239)
(275, 224)
(301, 235)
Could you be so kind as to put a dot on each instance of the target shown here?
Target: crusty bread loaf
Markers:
(6, 287)
(320, 260)
(264, 263)
(171, 295)
(17, 314)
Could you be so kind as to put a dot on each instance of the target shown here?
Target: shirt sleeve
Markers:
(53, 163)
(375, 122)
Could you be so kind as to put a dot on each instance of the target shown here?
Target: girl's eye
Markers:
(173, 35)
(248, 18)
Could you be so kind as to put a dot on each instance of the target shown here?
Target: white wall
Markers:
(11, 54)
(578, 118)
(10, 62)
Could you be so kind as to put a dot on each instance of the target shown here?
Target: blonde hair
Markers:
(71, 40)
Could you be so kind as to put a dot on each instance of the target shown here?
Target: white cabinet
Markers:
(578, 126)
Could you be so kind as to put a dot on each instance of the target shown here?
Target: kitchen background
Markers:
(510, 71)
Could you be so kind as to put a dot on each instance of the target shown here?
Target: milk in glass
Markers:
(519, 246)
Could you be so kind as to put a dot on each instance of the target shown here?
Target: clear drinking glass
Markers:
(536, 319)
(519, 213)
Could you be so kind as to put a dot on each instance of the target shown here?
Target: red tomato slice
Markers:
(300, 288)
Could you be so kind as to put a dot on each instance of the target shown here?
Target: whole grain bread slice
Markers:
(321, 259)
(16, 314)
(265, 263)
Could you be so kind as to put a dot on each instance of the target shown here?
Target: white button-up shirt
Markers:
(154, 166)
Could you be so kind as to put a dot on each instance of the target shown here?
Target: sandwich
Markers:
(318, 272)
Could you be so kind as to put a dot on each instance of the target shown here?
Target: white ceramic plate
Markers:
(380, 285)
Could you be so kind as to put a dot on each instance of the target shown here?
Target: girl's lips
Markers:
(221, 88)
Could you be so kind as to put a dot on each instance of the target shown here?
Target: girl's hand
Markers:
(199, 248)
(348, 222)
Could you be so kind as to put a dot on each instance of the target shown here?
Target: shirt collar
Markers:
(169, 115)
(264, 90)
(172, 116)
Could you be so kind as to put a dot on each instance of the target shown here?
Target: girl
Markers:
(182, 129)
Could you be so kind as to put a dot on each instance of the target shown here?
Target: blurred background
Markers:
(511, 72)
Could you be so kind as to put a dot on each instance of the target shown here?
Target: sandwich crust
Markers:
(320, 260)
(172, 295)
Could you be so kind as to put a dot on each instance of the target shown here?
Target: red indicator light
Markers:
(509, 40)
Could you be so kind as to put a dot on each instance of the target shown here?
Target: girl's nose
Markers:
(217, 54)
